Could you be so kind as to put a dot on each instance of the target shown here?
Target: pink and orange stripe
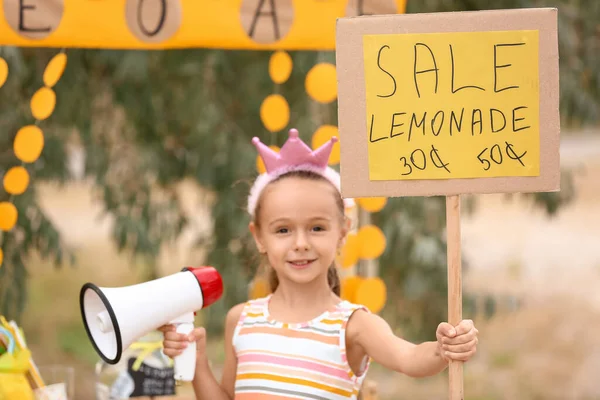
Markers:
(294, 361)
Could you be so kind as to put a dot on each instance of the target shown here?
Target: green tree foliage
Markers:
(148, 120)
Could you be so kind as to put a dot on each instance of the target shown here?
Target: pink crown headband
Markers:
(294, 155)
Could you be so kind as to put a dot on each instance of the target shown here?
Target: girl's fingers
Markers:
(460, 356)
(465, 326)
(174, 343)
(166, 328)
(444, 329)
(461, 348)
(171, 344)
(461, 339)
(172, 352)
(174, 336)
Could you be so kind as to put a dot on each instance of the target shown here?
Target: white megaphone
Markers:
(114, 318)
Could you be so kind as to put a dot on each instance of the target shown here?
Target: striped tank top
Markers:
(294, 361)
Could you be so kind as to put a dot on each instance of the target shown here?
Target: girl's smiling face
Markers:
(300, 227)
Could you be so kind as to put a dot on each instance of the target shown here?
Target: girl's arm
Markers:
(205, 385)
(374, 337)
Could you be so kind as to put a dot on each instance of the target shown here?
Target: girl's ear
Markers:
(345, 229)
(347, 225)
(256, 236)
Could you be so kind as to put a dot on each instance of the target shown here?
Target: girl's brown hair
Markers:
(332, 275)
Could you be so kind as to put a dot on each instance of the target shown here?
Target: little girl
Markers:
(302, 341)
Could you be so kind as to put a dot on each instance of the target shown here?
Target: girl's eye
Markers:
(319, 228)
(282, 230)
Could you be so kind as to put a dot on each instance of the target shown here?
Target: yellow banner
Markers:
(452, 105)
(168, 24)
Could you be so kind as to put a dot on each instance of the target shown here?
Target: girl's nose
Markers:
(302, 242)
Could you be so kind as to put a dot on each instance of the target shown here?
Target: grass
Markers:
(73, 340)
(503, 360)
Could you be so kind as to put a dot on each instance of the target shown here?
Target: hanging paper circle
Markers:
(8, 216)
(323, 135)
(260, 288)
(275, 113)
(260, 164)
(350, 251)
(16, 180)
(321, 83)
(3, 71)
(372, 242)
(42, 103)
(54, 69)
(29, 143)
(1, 257)
(348, 287)
(372, 204)
(371, 293)
(280, 66)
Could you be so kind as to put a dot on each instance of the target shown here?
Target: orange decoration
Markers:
(43, 103)
(350, 251)
(260, 288)
(372, 242)
(275, 113)
(8, 216)
(321, 83)
(3, 71)
(349, 286)
(371, 293)
(54, 69)
(16, 180)
(372, 204)
(29, 143)
(280, 66)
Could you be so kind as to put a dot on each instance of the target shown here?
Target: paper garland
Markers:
(3, 71)
(321, 83)
(275, 113)
(29, 140)
(280, 67)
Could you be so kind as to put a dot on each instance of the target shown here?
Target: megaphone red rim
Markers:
(210, 282)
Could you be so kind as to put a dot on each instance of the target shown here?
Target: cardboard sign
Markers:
(164, 24)
(449, 103)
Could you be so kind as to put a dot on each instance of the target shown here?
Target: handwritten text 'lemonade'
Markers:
(452, 105)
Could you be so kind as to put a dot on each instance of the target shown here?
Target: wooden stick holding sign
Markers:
(455, 373)
(449, 104)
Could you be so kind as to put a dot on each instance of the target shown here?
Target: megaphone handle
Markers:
(185, 363)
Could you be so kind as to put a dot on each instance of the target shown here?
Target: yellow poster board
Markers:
(452, 105)
(169, 24)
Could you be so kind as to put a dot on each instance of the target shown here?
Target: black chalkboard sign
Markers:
(151, 381)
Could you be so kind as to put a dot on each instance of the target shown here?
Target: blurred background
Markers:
(146, 165)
